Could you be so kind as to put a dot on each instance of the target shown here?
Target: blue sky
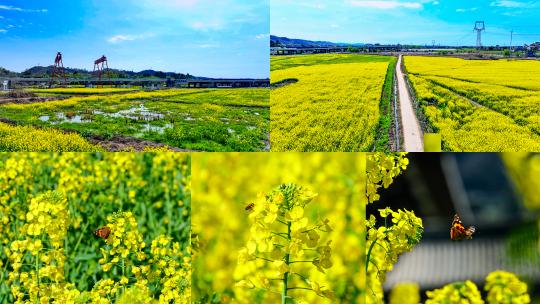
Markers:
(214, 38)
(448, 22)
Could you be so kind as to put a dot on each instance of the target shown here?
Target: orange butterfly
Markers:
(103, 232)
(458, 231)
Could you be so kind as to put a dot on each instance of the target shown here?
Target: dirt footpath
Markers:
(412, 133)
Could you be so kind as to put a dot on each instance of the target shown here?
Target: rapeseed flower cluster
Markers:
(38, 258)
(164, 271)
(385, 243)
(29, 139)
(14, 174)
(405, 293)
(456, 293)
(125, 243)
(381, 169)
(282, 243)
(170, 269)
(221, 225)
(400, 232)
(504, 287)
(47, 251)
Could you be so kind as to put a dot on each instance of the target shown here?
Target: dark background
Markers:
(478, 187)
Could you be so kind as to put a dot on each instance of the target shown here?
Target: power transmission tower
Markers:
(479, 26)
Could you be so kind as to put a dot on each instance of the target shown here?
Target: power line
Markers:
(526, 34)
(460, 39)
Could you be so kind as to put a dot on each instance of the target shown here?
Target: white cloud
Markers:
(204, 26)
(510, 4)
(178, 3)
(313, 5)
(209, 45)
(198, 25)
(185, 2)
(464, 10)
(386, 4)
(13, 8)
(262, 36)
(3, 31)
(122, 38)
(334, 25)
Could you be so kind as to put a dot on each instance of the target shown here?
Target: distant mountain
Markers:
(44, 72)
(6, 73)
(276, 41)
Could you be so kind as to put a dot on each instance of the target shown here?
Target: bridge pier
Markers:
(6, 85)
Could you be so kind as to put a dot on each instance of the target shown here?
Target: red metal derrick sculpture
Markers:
(101, 66)
(58, 70)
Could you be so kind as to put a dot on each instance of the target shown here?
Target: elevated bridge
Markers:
(228, 83)
(15, 82)
(368, 48)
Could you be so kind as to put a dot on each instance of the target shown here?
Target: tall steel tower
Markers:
(479, 26)
(58, 70)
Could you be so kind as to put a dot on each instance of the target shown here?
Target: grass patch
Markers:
(385, 116)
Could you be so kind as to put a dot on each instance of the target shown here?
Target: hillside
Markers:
(276, 41)
(41, 71)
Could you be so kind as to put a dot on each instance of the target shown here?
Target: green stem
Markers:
(369, 254)
(283, 235)
(37, 275)
(123, 273)
(169, 213)
(83, 233)
(2, 275)
(286, 274)
(284, 223)
(268, 260)
(303, 277)
(291, 288)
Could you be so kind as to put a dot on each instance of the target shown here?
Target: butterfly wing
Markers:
(103, 232)
(457, 231)
(469, 232)
(456, 234)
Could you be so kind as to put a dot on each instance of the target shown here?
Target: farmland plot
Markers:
(326, 102)
(208, 120)
(479, 105)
